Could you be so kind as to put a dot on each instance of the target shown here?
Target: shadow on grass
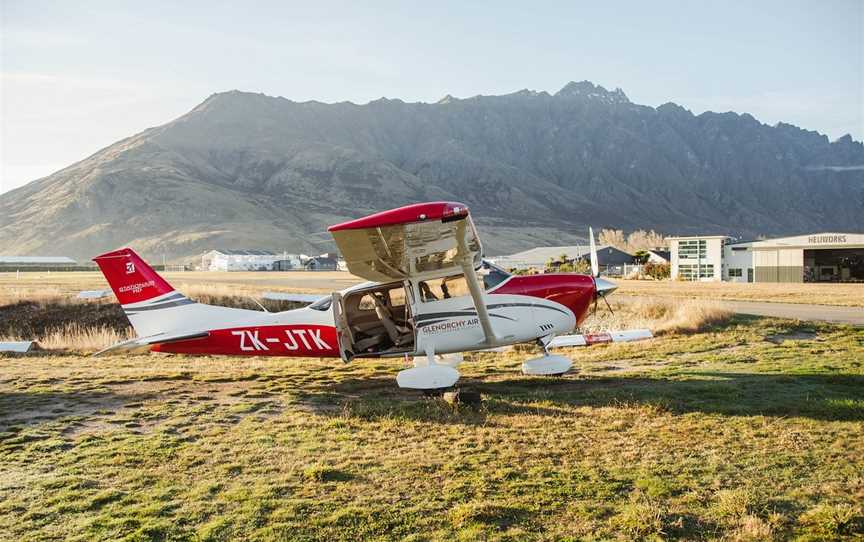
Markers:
(23, 409)
(816, 396)
(832, 397)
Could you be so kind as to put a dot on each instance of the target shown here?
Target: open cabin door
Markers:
(343, 331)
(374, 321)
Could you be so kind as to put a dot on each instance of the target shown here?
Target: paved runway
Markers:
(827, 313)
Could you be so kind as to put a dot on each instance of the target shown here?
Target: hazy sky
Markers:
(79, 75)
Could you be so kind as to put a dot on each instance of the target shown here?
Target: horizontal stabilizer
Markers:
(146, 342)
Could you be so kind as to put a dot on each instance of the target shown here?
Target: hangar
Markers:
(817, 257)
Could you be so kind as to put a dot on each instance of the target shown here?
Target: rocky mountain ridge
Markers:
(245, 170)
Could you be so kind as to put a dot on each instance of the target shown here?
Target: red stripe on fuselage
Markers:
(302, 340)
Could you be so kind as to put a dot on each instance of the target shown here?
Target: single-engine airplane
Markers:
(430, 296)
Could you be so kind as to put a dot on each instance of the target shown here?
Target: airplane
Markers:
(429, 295)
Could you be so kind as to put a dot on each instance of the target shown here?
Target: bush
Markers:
(657, 271)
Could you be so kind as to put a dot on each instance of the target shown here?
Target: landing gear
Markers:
(547, 364)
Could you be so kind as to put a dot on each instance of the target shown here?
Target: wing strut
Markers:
(466, 260)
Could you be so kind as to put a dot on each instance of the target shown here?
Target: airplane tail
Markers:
(143, 294)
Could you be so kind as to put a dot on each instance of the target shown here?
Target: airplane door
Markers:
(343, 332)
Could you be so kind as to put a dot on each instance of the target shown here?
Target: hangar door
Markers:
(834, 265)
(779, 265)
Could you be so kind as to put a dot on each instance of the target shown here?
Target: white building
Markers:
(697, 258)
(239, 260)
(819, 257)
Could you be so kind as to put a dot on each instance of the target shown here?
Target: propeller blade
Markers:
(595, 267)
(608, 305)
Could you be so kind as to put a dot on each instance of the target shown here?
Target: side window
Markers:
(366, 303)
(397, 297)
(438, 289)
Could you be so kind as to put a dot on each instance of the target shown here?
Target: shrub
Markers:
(657, 271)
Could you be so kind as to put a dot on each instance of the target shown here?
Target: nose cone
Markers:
(604, 287)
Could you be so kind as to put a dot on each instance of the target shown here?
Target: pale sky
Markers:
(76, 76)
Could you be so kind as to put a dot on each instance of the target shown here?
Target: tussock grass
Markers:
(662, 316)
(41, 296)
(79, 338)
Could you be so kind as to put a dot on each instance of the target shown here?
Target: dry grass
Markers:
(79, 338)
(663, 316)
(847, 295)
(45, 295)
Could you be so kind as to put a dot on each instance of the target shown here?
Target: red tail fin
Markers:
(130, 277)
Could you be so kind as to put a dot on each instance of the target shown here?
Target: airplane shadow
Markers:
(832, 397)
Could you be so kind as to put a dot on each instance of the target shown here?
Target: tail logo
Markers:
(130, 268)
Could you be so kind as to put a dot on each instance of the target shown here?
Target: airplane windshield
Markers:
(322, 304)
(492, 275)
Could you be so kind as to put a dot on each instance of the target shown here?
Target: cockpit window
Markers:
(443, 288)
(492, 275)
(322, 304)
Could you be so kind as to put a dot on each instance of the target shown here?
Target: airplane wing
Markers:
(414, 240)
(159, 338)
(588, 339)
(422, 240)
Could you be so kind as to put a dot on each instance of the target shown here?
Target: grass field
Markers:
(751, 430)
(31, 284)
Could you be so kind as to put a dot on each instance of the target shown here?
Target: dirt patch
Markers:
(797, 335)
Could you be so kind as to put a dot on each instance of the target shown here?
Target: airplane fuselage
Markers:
(521, 309)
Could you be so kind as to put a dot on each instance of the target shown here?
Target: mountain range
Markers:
(245, 170)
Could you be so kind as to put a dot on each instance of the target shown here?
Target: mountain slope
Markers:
(248, 170)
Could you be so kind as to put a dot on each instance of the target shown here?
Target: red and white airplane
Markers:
(430, 296)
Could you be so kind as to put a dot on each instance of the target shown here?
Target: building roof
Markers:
(542, 254)
(806, 239)
(665, 254)
(688, 237)
(241, 252)
(37, 260)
